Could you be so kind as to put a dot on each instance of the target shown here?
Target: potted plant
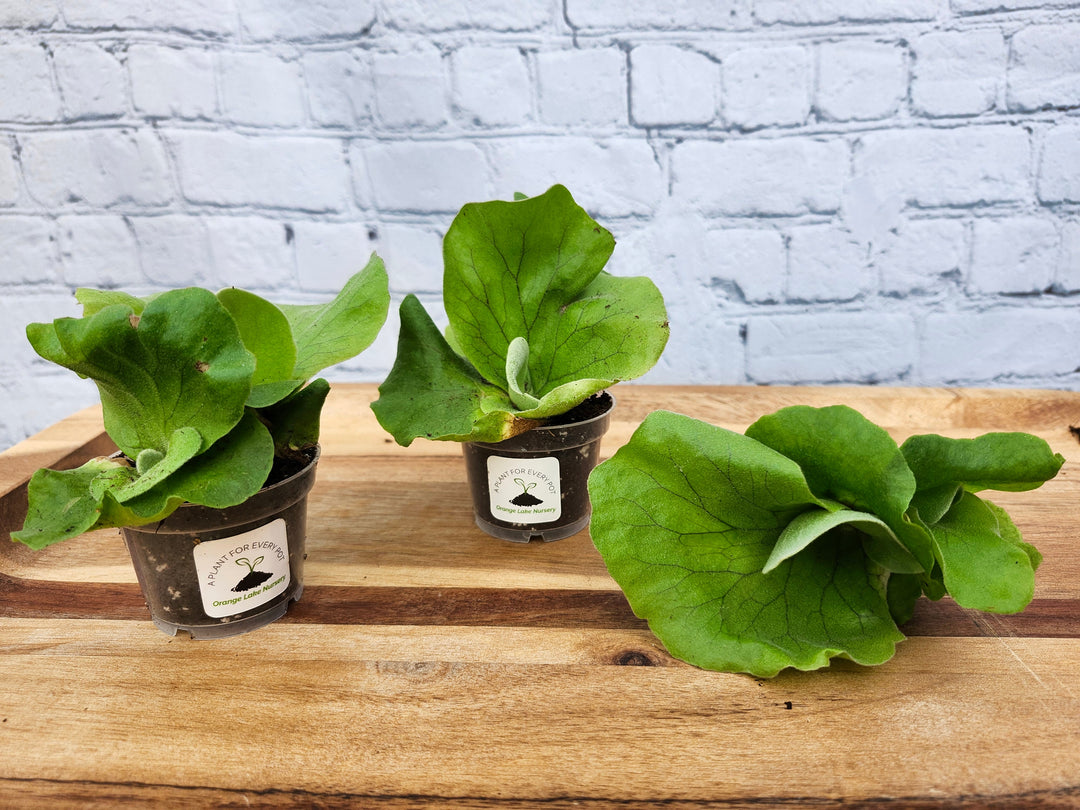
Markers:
(811, 535)
(207, 398)
(538, 332)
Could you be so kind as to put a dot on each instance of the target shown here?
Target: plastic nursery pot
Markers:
(221, 572)
(534, 486)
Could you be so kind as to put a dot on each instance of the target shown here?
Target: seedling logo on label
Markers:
(242, 572)
(524, 490)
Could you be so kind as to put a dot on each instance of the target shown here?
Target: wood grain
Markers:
(428, 664)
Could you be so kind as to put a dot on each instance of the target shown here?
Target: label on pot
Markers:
(524, 490)
(244, 571)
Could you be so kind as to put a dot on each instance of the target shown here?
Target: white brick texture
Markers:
(856, 191)
(958, 72)
(767, 87)
(492, 87)
(1044, 71)
(583, 87)
(670, 85)
(860, 80)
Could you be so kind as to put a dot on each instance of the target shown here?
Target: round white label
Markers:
(524, 490)
(244, 571)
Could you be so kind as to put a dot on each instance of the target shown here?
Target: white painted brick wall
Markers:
(860, 191)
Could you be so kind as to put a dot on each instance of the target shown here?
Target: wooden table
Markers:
(430, 664)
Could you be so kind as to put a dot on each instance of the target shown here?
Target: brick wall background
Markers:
(863, 191)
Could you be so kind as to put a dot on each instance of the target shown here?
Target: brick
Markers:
(253, 253)
(1067, 278)
(100, 167)
(339, 87)
(997, 345)
(189, 16)
(28, 13)
(1059, 165)
(766, 87)
(491, 86)
(413, 256)
(808, 12)
(1016, 255)
(410, 88)
(328, 253)
(28, 245)
(1044, 71)
(314, 19)
(753, 259)
(946, 167)
(224, 168)
(670, 85)
(582, 86)
(98, 251)
(860, 80)
(171, 82)
(921, 256)
(9, 178)
(261, 89)
(676, 14)
(40, 397)
(748, 178)
(173, 249)
(853, 347)
(608, 177)
(958, 72)
(421, 175)
(91, 80)
(29, 94)
(447, 15)
(826, 263)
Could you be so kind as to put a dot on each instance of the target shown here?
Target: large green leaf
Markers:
(294, 421)
(180, 364)
(266, 334)
(686, 516)
(433, 392)
(1013, 462)
(338, 330)
(848, 458)
(228, 473)
(533, 269)
(985, 564)
(66, 503)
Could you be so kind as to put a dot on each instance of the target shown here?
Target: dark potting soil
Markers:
(288, 466)
(594, 406)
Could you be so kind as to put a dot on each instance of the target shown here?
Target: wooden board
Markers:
(431, 665)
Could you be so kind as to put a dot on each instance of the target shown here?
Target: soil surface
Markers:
(594, 406)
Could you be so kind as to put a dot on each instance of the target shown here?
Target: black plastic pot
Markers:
(221, 572)
(534, 486)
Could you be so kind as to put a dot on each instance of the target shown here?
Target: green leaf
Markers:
(294, 422)
(1013, 462)
(93, 301)
(985, 564)
(517, 374)
(154, 467)
(180, 364)
(848, 458)
(435, 393)
(266, 333)
(686, 516)
(67, 503)
(228, 473)
(340, 329)
(533, 269)
(880, 543)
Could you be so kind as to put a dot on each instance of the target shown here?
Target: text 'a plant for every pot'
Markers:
(209, 400)
(537, 332)
(809, 537)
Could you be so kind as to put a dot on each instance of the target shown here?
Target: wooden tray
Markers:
(430, 664)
